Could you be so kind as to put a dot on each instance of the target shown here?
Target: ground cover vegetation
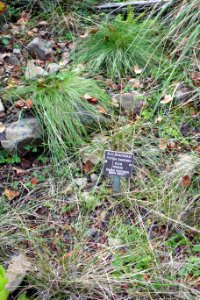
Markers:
(64, 233)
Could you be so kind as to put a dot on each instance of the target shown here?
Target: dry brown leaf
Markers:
(19, 104)
(90, 99)
(34, 181)
(195, 76)
(186, 181)
(137, 70)
(94, 30)
(167, 99)
(135, 82)
(109, 82)
(10, 194)
(171, 145)
(2, 7)
(28, 103)
(162, 144)
(101, 109)
(197, 148)
(84, 36)
(87, 166)
(159, 119)
(19, 172)
(2, 127)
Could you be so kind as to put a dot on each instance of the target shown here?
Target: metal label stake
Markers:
(118, 164)
(116, 184)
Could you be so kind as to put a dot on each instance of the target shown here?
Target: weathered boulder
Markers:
(20, 134)
(53, 68)
(130, 102)
(17, 269)
(2, 109)
(39, 48)
(32, 71)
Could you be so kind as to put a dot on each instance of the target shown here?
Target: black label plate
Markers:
(118, 164)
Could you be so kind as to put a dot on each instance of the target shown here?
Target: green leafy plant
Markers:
(118, 45)
(6, 158)
(68, 107)
(3, 281)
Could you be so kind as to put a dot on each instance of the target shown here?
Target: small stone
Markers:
(53, 68)
(130, 102)
(81, 182)
(39, 48)
(33, 71)
(2, 109)
(183, 92)
(12, 60)
(113, 242)
(64, 60)
(20, 134)
(17, 270)
(94, 177)
(17, 51)
(93, 233)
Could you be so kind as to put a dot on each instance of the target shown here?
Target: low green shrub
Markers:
(115, 46)
(68, 106)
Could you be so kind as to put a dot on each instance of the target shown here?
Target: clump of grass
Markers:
(65, 114)
(117, 45)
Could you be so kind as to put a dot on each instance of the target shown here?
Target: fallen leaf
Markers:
(34, 181)
(171, 145)
(90, 99)
(159, 119)
(137, 70)
(19, 104)
(197, 148)
(186, 181)
(167, 99)
(195, 76)
(101, 110)
(135, 82)
(2, 127)
(87, 166)
(84, 36)
(43, 23)
(19, 172)
(162, 144)
(94, 30)
(2, 7)
(28, 103)
(109, 82)
(67, 255)
(24, 18)
(10, 194)
(114, 103)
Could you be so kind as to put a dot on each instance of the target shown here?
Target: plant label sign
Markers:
(118, 164)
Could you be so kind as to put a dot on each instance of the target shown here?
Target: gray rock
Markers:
(12, 60)
(183, 92)
(17, 269)
(20, 134)
(17, 51)
(94, 177)
(93, 233)
(53, 68)
(39, 48)
(33, 71)
(2, 109)
(81, 182)
(130, 102)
